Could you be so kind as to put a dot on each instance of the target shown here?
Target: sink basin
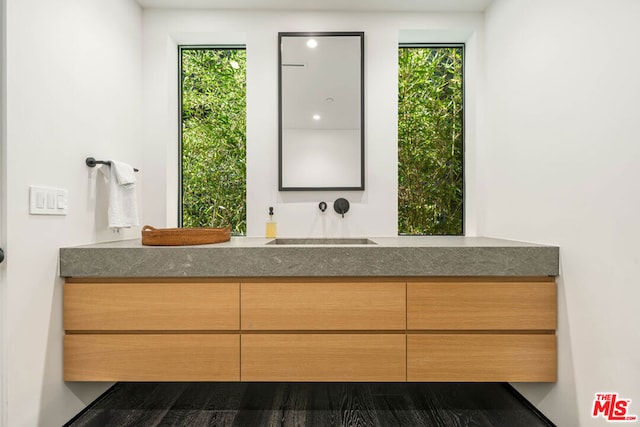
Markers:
(331, 241)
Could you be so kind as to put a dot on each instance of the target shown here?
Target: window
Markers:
(430, 139)
(213, 137)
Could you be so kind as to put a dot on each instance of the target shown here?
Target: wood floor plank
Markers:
(309, 404)
(397, 410)
(324, 405)
(256, 405)
(203, 405)
(435, 414)
(146, 405)
(294, 404)
(357, 408)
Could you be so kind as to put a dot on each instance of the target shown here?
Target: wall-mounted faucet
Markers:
(341, 206)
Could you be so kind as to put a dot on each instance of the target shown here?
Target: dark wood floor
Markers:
(309, 404)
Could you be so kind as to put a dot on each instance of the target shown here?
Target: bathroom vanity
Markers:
(401, 309)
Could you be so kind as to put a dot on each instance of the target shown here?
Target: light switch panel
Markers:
(48, 200)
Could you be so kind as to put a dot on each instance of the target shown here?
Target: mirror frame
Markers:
(362, 133)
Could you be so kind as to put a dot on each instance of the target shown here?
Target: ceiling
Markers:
(326, 5)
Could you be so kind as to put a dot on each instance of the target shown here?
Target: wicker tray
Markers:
(184, 236)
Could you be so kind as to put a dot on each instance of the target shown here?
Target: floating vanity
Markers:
(386, 309)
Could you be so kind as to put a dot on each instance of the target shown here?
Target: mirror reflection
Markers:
(321, 117)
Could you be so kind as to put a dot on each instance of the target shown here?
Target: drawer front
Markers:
(481, 357)
(142, 357)
(323, 306)
(323, 357)
(482, 305)
(151, 306)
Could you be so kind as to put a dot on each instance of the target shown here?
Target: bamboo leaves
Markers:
(430, 141)
(214, 138)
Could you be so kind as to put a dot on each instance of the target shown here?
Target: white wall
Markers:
(374, 211)
(3, 218)
(74, 71)
(560, 154)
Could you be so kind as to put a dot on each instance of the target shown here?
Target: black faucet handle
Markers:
(341, 206)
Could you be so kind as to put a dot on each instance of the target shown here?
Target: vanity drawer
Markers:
(481, 357)
(151, 306)
(327, 306)
(323, 357)
(482, 305)
(152, 357)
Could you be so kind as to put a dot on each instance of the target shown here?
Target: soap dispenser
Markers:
(270, 232)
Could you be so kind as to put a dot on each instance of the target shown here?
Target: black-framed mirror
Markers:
(321, 111)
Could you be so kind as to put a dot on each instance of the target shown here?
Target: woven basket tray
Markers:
(184, 236)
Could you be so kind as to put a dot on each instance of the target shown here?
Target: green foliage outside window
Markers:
(430, 141)
(214, 138)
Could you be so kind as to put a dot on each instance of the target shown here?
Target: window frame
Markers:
(180, 91)
(461, 45)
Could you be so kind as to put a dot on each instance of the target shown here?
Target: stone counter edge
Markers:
(361, 261)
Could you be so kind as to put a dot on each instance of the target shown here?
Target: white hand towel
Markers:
(123, 208)
(124, 173)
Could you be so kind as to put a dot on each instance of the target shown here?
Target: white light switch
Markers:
(40, 200)
(62, 201)
(47, 200)
(51, 200)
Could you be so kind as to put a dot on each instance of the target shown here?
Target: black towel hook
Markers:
(92, 162)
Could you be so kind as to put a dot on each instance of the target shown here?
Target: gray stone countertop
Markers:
(413, 256)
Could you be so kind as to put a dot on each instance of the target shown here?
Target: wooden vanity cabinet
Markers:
(172, 306)
(152, 357)
(323, 331)
(151, 331)
(481, 330)
(338, 357)
(311, 329)
(323, 306)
